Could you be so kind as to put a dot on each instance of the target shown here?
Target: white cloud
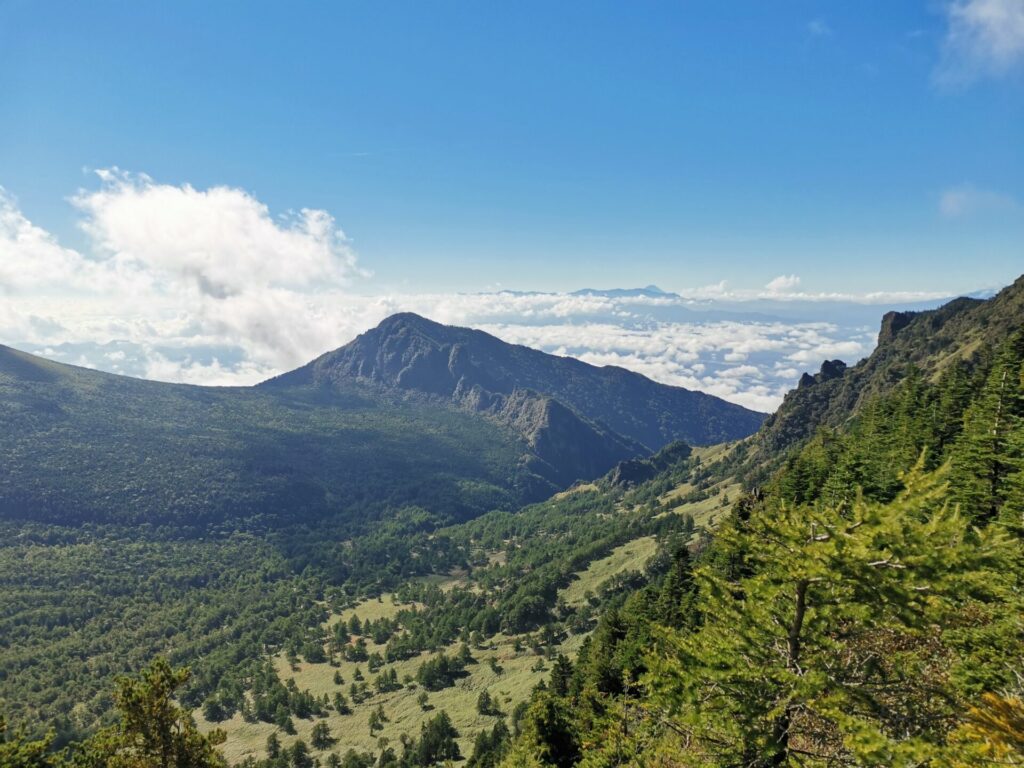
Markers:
(983, 38)
(966, 200)
(783, 284)
(213, 373)
(740, 372)
(699, 355)
(222, 242)
(781, 289)
(828, 349)
(208, 287)
(31, 257)
(187, 267)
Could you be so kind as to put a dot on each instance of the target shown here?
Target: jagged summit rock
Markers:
(830, 369)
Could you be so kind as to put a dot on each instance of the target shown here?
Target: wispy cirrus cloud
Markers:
(967, 200)
(984, 38)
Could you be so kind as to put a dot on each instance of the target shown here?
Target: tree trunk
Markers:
(780, 730)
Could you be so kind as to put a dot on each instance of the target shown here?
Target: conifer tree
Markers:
(320, 737)
(548, 736)
(603, 671)
(676, 604)
(1012, 512)
(983, 459)
(154, 731)
(437, 741)
(273, 746)
(797, 658)
(489, 747)
(17, 751)
(300, 757)
(561, 676)
(484, 704)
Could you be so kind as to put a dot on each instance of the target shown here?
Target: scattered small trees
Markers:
(320, 737)
(486, 705)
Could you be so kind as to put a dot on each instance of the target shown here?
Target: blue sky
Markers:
(215, 192)
(545, 145)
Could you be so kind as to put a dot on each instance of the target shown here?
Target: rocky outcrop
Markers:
(636, 471)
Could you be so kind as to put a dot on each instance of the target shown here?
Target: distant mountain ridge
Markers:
(480, 372)
(411, 413)
(648, 291)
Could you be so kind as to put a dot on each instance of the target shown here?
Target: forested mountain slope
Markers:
(961, 331)
(208, 523)
(860, 607)
(513, 425)
(82, 446)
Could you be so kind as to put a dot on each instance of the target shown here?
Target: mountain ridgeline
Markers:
(412, 413)
(929, 342)
(481, 373)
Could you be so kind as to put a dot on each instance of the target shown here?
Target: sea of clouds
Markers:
(208, 287)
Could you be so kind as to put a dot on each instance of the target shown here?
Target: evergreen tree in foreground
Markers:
(153, 732)
(848, 640)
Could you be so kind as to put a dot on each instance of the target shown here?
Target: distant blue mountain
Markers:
(650, 291)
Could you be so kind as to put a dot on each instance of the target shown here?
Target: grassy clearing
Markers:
(631, 556)
(519, 675)
(373, 609)
(712, 453)
(576, 489)
(707, 512)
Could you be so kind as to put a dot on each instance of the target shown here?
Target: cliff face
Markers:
(565, 447)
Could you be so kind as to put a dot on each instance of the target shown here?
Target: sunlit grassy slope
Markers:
(520, 670)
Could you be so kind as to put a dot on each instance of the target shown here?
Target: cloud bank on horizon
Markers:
(208, 287)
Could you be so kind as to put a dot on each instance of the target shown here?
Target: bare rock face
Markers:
(892, 323)
(830, 369)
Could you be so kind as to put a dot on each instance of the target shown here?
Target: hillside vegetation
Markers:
(80, 446)
(337, 439)
(842, 589)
